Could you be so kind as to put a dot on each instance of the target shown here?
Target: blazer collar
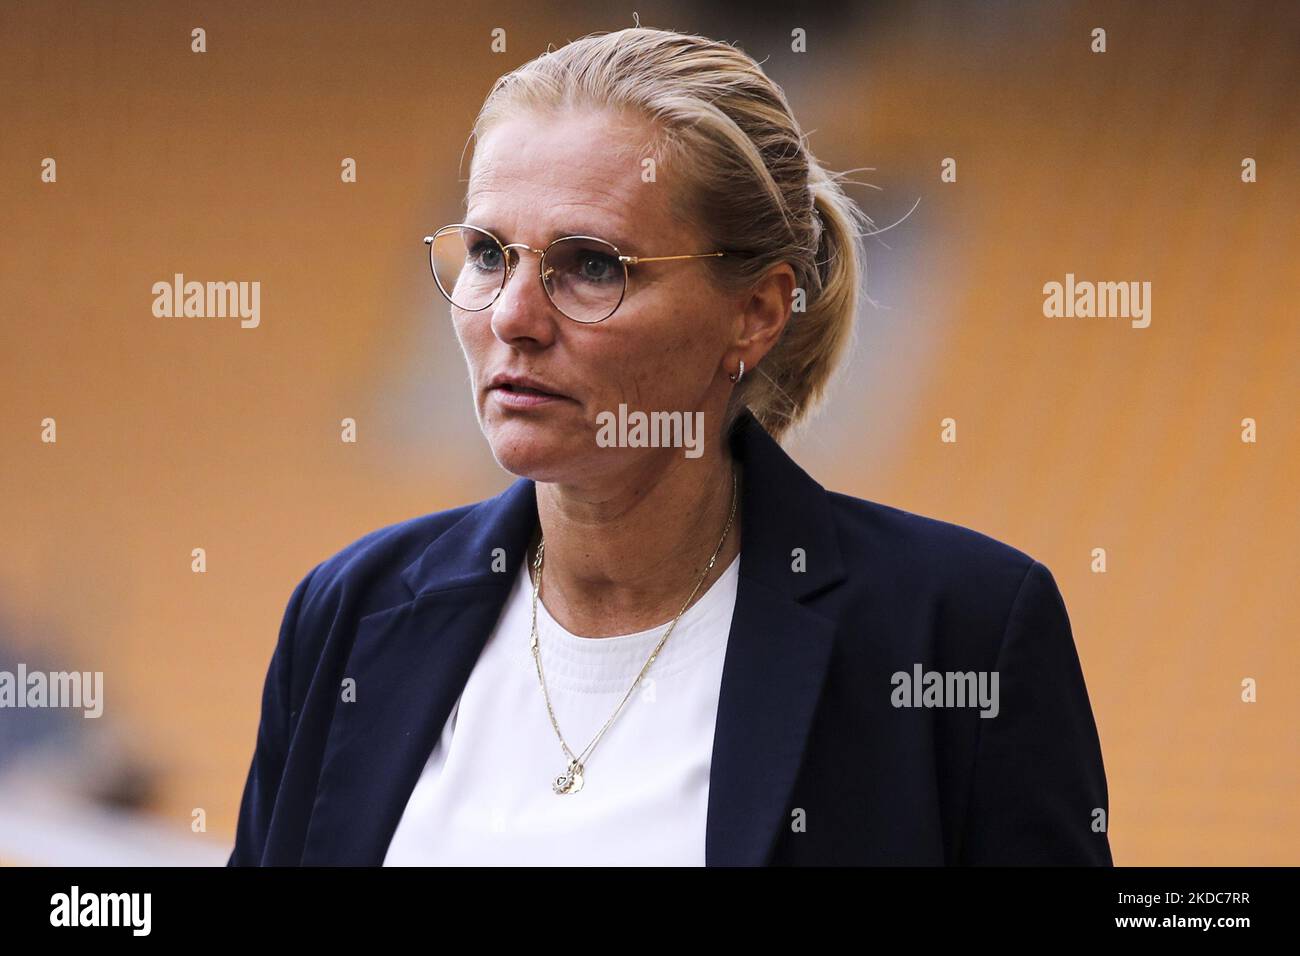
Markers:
(777, 654)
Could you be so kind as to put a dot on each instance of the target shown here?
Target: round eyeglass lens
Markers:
(584, 278)
(468, 265)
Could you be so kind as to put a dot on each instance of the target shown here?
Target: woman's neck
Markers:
(624, 557)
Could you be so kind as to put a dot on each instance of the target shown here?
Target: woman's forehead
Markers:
(575, 153)
(544, 181)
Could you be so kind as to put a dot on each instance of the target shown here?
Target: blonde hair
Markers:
(749, 182)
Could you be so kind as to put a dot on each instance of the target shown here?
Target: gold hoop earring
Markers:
(736, 377)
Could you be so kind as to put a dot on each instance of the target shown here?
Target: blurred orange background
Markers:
(1073, 433)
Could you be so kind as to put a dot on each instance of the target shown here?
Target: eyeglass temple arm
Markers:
(633, 260)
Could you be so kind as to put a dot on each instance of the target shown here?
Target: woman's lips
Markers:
(516, 397)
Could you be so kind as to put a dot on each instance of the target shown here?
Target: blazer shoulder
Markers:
(936, 561)
(368, 569)
(920, 537)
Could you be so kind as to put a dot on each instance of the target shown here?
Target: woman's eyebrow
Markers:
(609, 235)
(618, 239)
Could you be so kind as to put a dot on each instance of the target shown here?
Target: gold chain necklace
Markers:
(571, 780)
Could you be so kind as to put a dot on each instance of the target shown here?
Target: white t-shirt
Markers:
(485, 796)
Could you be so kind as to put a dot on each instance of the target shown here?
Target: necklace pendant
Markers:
(570, 781)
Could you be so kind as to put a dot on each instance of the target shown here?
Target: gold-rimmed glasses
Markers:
(585, 277)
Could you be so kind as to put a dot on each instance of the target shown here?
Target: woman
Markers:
(665, 645)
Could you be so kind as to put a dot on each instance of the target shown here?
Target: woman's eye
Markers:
(596, 266)
(485, 256)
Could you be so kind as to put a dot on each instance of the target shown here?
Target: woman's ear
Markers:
(764, 313)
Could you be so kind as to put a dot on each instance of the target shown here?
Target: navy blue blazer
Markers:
(814, 760)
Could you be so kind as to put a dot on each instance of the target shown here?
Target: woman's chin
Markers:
(530, 450)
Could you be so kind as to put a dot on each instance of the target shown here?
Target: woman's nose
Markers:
(523, 310)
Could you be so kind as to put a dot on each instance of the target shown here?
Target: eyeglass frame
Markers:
(623, 260)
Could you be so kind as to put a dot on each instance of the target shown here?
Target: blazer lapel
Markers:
(411, 662)
(778, 651)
